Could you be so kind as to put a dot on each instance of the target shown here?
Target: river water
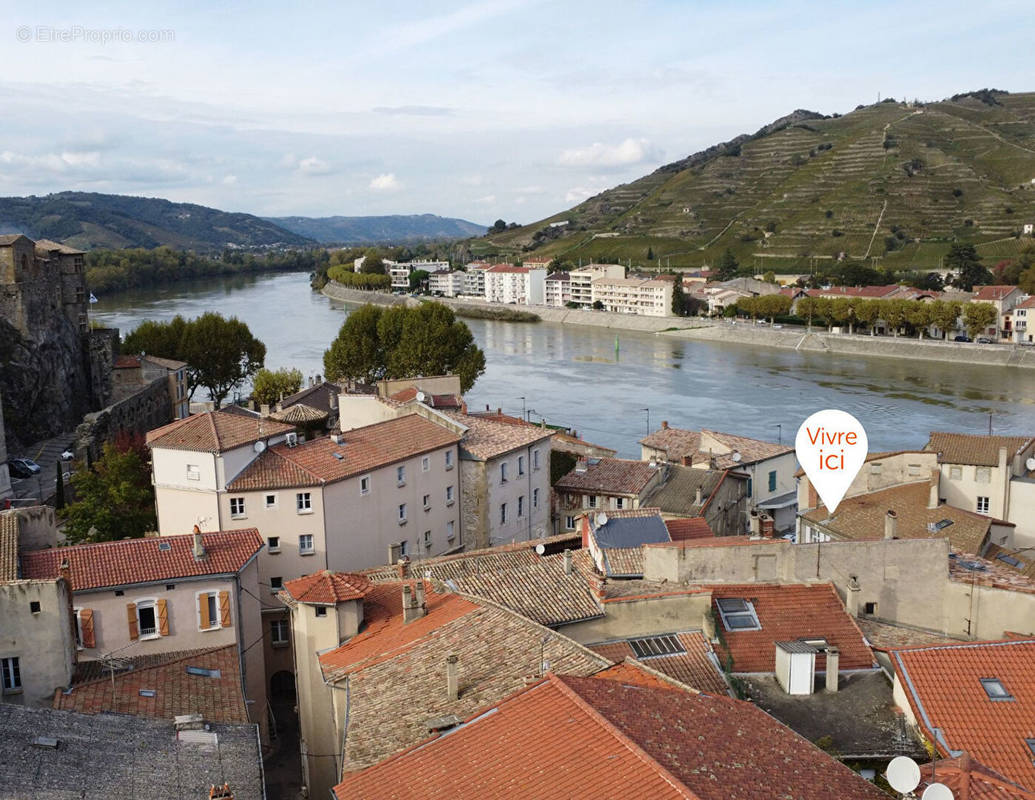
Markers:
(573, 375)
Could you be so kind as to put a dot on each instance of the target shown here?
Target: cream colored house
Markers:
(650, 298)
(581, 281)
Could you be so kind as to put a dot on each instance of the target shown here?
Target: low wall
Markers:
(819, 341)
(149, 408)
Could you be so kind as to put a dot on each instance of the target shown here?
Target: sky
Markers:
(512, 109)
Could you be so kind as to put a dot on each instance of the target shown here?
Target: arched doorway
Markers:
(282, 688)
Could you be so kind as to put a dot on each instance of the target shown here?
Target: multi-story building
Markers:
(1016, 321)
(447, 283)
(132, 373)
(651, 298)
(605, 484)
(508, 284)
(1004, 298)
(581, 281)
(474, 278)
(558, 289)
(400, 271)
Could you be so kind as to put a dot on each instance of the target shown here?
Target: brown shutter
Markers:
(224, 609)
(203, 607)
(86, 628)
(163, 618)
(131, 618)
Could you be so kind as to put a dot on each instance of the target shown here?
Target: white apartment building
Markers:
(558, 289)
(446, 282)
(474, 278)
(507, 284)
(581, 281)
(650, 298)
(399, 271)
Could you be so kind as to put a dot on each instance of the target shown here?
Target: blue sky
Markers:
(505, 108)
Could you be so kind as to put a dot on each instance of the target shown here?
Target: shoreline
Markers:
(743, 333)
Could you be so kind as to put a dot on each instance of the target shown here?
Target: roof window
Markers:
(738, 614)
(995, 690)
(654, 646)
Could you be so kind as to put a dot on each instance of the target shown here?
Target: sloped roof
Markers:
(972, 569)
(943, 686)
(693, 668)
(974, 449)
(129, 561)
(968, 779)
(322, 396)
(987, 294)
(684, 528)
(608, 476)
(487, 438)
(8, 545)
(788, 612)
(299, 414)
(214, 432)
(678, 494)
(328, 588)
(678, 443)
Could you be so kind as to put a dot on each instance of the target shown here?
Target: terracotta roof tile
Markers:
(487, 438)
(363, 449)
(968, 568)
(129, 561)
(688, 528)
(214, 432)
(943, 686)
(8, 545)
(175, 690)
(608, 475)
(888, 636)
(328, 588)
(705, 445)
(966, 448)
(694, 668)
(986, 294)
(678, 494)
(969, 780)
(788, 612)
(127, 362)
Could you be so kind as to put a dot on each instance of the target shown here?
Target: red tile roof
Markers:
(688, 528)
(215, 432)
(433, 400)
(487, 438)
(507, 268)
(127, 362)
(328, 588)
(608, 476)
(986, 294)
(591, 738)
(129, 561)
(970, 780)
(176, 691)
(855, 291)
(788, 612)
(975, 449)
(314, 462)
(943, 686)
(694, 668)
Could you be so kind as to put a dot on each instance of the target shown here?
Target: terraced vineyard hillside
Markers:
(890, 181)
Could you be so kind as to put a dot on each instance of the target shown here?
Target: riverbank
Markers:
(862, 345)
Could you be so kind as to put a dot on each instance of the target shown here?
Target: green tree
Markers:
(269, 386)
(418, 278)
(769, 277)
(726, 267)
(679, 305)
(357, 352)
(157, 338)
(867, 312)
(650, 253)
(808, 308)
(920, 315)
(1026, 281)
(964, 260)
(893, 312)
(945, 315)
(221, 354)
(598, 305)
(842, 309)
(373, 264)
(498, 226)
(979, 316)
(115, 499)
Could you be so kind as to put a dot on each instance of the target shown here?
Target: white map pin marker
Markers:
(831, 447)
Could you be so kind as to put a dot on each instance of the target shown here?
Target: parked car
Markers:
(984, 340)
(22, 467)
(962, 338)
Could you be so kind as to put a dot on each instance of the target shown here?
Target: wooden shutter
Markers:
(86, 628)
(203, 607)
(163, 618)
(224, 609)
(131, 618)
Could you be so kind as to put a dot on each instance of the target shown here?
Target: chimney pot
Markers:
(567, 562)
(221, 792)
(199, 546)
(932, 497)
(453, 677)
(754, 523)
(698, 497)
(664, 424)
(833, 667)
(768, 526)
(891, 525)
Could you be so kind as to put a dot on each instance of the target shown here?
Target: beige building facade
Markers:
(37, 648)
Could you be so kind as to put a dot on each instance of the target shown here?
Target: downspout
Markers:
(528, 472)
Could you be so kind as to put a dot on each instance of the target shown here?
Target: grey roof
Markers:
(103, 756)
(322, 397)
(797, 647)
(677, 494)
(632, 532)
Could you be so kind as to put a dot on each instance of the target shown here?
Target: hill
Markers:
(87, 220)
(893, 181)
(379, 230)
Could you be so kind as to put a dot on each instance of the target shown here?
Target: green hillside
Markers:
(893, 181)
(379, 230)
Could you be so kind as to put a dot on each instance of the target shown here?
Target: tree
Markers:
(920, 315)
(963, 260)
(678, 298)
(726, 268)
(498, 226)
(867, 312)
(598, 305)
(930, 282)
(269, 386)
(842, 309)
(808, 307)
(418, 278)
(945, 315)
(157, 338)
(115, 499)
(894, 313)
(769, 277)
(650, 253)
(221, 354)
(373, 264)
(979, 316)
(402, 342)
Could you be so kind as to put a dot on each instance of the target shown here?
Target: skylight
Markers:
(1013, 562)
(995, 690)
(1031, 746)
(738, 614)
(164, 546)
(654, 646)
(204, 673)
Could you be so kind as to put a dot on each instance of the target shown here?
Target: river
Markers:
(574, 376)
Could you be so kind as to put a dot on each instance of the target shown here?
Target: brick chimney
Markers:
(768, 526)
(891, 525)
(687, 461)
(833, 666)
(453, 677)
(412, 607)
(664, 424)
(199, 546)
(567, 562)
(220, 792)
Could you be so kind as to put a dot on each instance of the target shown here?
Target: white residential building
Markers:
(508, 284)
(650, 298)
(558, 289)
(446, 283)
(581, 281)
(474, 278)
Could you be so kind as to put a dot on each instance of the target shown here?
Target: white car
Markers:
(67, 455)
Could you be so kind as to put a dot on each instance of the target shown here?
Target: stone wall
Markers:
(149, 408)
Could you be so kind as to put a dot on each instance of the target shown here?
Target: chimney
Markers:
(698, 499)
(890, 525)
(412, 606)
(768, 526)
(567, 562)
(833, 665)
(199, 547)
(189, 722)
(754, 523)
(452, 677)
(852, 596)
(264, 409)
(332, 401)
(1003, 463)
(220, 792)
(932, 496)
(664, 424)
(418, 597)
(687, 461)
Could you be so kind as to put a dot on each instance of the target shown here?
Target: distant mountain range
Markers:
(89, 221)
(379, 230)
(896, 181)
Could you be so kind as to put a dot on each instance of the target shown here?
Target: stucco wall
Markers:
(42, 642)
(643, 617)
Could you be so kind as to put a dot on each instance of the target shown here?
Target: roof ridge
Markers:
(215, 432)
(961, 645)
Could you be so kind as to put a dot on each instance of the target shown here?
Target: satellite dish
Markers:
(540, 548)
(1030, 464)
(260, 446)
(903, 774)
(421, 397)
(736, 456)
(601, 519)
(937, 791)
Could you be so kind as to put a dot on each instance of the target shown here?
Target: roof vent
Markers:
(164, 546)
(338, 456)
(204, 673)
(148, 693)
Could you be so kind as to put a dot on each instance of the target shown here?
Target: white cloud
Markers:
(313, 166)
(487, 200)
(54, 162)
(230, 180)
(598, 154)
(386, 182)
(579, 193)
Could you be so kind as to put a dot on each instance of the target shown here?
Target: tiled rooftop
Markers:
(888, 636)
(8, 545)
(328, 588)
(678, 494)
(704, 444)
(787, 612)
(694, 667)
(943, 687)
(968, 568)
(982, 451)
(214, 432)
(683, 528)
(129, 561)
(487, 438)
(315, 462)
(969, 780)
(608, 476)
(987, 294)
(322, 396)
(175, 691)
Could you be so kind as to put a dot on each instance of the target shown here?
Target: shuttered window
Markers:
(87, 638)
(214, 611)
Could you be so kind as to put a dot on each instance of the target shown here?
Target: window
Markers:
(503, 513)
(193, 473)
(400, 475)
(521, 506)
(449, 459)
(982, 505)
(592, 501)
(994, 689)
(870, 609)
(236, 507)
(535, 459)
(276, 584)
(619, 503)
(955, 473)
(273, 544)
(449, 495)
(914, 470)
(657, 646)
(427, 502)
(1031, 746)
(271, 501)
(364, 485)
(738, 614)
(304, 503)
(535, 498)
(278, 632)
(321, 611)
(402, 547)
(569, 523)
(875, 469)
(305, 544)
(503, 472)
(521, 465)
(983, 474)
(402, 513)
(425, 464)
(772, 480)
(12, 674)
(427, 540)
(450, 531)
(34, 606)
(147, 619)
